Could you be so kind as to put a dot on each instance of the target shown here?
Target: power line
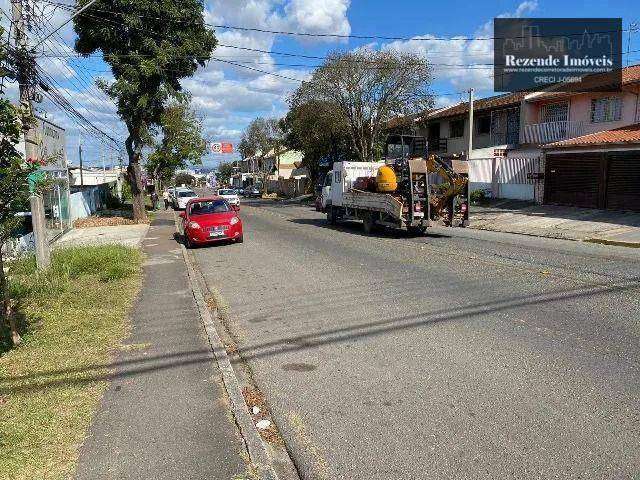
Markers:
(58, 96)
(342, 36)
(258, 70)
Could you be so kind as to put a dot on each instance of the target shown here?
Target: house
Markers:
(550, 146)
(496, 125)
(286, 175)
(591, 145)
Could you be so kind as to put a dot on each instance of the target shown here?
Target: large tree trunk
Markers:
(134, 176)
(5, 304)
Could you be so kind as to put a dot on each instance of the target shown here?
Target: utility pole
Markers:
(80, 160)
(104, 172)
(24, 73)
(470, 145)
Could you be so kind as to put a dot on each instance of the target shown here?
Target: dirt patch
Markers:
(231, 349)
(253, 397)
(95, 221)
(211, 302)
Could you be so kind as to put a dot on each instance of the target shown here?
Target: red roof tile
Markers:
(631, 74)
(623, 135)
(507, 100)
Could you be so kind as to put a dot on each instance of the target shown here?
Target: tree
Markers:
(14, 193)
(14, 182)
(263, 139)
(224, 173)
(182, 144)
(150, 46)
(183, 178)
(367, 88)
(312, 128)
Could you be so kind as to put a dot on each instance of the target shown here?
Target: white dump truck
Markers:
(411, 203)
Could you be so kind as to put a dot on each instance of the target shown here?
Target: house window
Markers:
(608, 109)
(456, 128)
(483, 125)
(554, 112)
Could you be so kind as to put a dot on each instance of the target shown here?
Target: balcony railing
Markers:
(438, 145)
(541, 133)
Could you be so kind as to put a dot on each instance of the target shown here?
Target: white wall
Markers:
(505, 177)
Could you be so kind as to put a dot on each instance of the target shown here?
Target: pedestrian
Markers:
(154, 200)
(165, 197)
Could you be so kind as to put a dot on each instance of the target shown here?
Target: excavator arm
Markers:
(457, 184)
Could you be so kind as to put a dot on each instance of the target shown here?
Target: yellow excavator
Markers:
(449, 199)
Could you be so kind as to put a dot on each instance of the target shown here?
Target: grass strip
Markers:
(72, 316)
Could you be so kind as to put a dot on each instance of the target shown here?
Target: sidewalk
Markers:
(128, 235)
(164, 414)
(570, 223)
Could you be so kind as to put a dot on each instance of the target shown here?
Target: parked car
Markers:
(183, 195)
(253, 192)
(210, 219)
(230, 195)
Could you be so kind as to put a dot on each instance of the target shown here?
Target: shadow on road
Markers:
(356, 228)
(389, 325)
(152, 363)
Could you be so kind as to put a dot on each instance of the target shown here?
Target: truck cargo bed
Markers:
(379, 202)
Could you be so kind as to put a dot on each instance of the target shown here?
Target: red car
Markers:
(210, 219)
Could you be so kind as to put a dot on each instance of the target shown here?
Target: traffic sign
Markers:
(221, 147)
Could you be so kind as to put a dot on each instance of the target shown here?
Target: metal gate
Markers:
(623, 180)
(573, 179)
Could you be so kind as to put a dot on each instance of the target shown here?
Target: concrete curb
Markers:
(615, 243)
(256, 449)
(601, 241)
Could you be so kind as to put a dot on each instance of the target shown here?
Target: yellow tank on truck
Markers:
(386, 180)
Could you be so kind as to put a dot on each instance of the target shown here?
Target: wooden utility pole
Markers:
(25, 82)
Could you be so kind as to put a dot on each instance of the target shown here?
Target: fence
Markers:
(89, 200)
(516, 178)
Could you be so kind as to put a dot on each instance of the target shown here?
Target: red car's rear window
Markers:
(208, 207)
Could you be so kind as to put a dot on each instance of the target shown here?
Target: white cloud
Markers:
(312, 16)
(462, 63)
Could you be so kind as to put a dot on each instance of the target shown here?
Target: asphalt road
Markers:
(463, 354)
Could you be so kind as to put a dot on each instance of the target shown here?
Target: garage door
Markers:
(573, 179)
(623, 181)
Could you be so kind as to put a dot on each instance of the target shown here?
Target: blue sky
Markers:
(228, 98)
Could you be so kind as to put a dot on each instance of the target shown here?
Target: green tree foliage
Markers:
(263, 138)
(365, 89)
(14, 187)
(312, 128)
(182, 144)
(183, 178)
(150, 45)
(224, 172)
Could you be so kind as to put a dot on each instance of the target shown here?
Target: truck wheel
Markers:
(368, 223)
(417, 231)
(331, 215)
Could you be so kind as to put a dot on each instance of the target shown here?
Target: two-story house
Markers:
(570, 148)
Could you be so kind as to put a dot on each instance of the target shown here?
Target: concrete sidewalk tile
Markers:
(165, 413)
(556, 221)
